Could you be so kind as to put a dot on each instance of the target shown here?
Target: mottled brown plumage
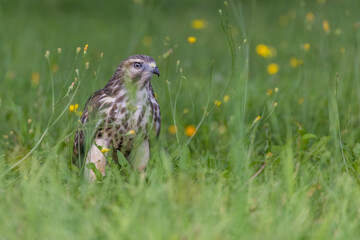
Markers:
(122, 116)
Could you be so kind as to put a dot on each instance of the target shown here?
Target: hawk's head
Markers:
(139, 67)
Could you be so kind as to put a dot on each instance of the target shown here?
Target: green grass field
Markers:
(272, 88)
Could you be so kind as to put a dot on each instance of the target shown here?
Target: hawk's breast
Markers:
(125, 119)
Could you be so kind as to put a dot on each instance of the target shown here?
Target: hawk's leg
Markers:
(97, 157)
(140, 156)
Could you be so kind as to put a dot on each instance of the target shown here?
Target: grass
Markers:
(278, 160)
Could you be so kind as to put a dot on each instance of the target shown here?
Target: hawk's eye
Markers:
(137, 65)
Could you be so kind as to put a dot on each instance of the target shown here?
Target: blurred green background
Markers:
(119, 29)
(272, 88)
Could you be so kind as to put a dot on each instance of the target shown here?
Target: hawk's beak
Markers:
(156, 71)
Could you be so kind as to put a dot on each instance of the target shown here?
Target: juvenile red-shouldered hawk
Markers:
(122, 116)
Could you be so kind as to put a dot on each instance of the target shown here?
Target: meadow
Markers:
(260, 110)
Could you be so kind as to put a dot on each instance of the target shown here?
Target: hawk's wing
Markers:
(91, 108)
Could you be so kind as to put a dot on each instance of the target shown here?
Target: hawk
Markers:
(123, 116)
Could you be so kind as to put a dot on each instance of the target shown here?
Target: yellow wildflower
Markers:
(257, 119)
(269, 92)
(226, 98)
(172, 129)
(294, 62)
(272, 68)
(292, 13)
(284, 20)
(190, 130)
(85, 48)
(310, 17)
(185, 111)
(198, 24)
(306, 46)
(269, 155)
(35, 78)
(217, 103)
(131, 132)
(104, 150)
(76, 106)
(326, 26)
(55, 68)
(191, 39)
(147, 41)
(342, 50)
(264, 51)
(71, 108)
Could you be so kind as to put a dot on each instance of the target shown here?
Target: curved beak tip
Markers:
(156, 71)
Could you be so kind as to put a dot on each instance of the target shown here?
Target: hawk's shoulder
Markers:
(92, 105)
